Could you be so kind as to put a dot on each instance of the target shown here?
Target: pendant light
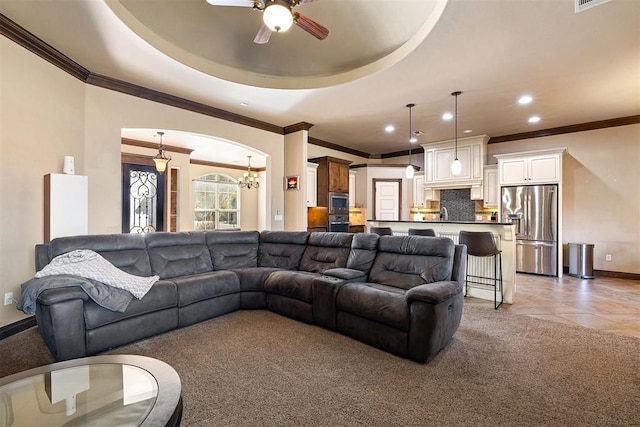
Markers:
(456, 166)
(160, 159)
(409, 171)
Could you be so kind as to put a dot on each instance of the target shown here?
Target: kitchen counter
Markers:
(504, 234)
(437, 221)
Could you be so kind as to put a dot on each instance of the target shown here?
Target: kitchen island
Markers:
(503, 233)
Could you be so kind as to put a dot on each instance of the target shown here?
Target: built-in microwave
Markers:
(338, 203)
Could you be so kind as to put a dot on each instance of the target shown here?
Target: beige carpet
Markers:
(259, 368)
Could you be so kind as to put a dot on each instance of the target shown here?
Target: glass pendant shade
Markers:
(277, 16)
(456, 167)
(409, 171)
(161, 164)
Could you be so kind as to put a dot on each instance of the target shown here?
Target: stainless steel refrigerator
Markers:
(534, 211)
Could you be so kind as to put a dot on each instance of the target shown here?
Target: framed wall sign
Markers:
(292, 183)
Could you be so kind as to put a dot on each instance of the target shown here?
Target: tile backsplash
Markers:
(459, 204)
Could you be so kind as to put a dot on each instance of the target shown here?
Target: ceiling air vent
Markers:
(582, 5)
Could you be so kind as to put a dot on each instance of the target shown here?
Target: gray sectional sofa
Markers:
(402, 294)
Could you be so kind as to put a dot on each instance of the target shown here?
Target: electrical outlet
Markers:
(607, 257)
(8, 298)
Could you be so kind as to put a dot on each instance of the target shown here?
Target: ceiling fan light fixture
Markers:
(277, 16)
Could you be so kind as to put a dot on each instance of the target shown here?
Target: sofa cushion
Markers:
(162, 295)
(408, 261)
(373, 301)
(252, 279)
(325, 251)
(178, 254)
(292, 284)
(363, 251)
(128, 252)
(233, 249)
(281, 249)
(203, 286)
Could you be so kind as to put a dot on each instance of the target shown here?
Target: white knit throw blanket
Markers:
(91, 265)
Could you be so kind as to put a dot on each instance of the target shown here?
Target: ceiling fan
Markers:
(278, 16)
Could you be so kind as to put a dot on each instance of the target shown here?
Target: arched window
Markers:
(217, 202)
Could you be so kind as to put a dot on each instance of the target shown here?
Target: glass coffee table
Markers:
(122, 390)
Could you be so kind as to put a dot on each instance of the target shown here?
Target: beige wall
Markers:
(47, 114)
(601, 191)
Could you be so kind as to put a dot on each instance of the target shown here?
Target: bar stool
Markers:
(481, 244)
(422, 232)
(382, 231)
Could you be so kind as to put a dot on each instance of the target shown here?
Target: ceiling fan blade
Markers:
(263, 35)
(241, 3)
(310, 26)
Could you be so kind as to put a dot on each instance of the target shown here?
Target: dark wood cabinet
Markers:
(333, 177)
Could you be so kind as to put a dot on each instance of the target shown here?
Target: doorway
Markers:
(387, 199)
(143, 191)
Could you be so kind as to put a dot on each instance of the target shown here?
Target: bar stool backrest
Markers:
(479, 243)
(382, 231)
(422, 232)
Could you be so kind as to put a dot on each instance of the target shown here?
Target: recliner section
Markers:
(401, 294)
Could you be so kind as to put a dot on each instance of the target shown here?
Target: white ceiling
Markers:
(379, 56)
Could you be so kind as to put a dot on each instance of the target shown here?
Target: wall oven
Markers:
(338, 203)
(339, 223)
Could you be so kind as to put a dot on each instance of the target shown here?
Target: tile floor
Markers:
(601, 303)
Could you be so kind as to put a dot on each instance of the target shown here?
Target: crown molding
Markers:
(224, 165)
(582, 127)
(154, 146)
(332, 146)
(297, 127)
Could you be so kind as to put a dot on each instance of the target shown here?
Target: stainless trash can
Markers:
(581, 260)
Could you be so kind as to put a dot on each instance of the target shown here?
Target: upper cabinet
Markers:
(312, 185)
(333, 177)
(352, 188)
(439, 156)
(531, 167)
(491, 186)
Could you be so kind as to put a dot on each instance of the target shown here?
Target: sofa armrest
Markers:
(325, 289)
(54, 296)
(346, 274)
(434, 293)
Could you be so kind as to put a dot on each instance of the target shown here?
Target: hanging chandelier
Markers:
(160, 159)
(409, 171)
(456, 166)
(249, 179)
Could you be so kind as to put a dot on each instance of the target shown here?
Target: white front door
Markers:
(387, 201)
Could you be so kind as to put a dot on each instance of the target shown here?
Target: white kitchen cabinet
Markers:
(491, 186)
(352, 188)
(439, 156)
(418, 190)
(532, 167)
(312, 185)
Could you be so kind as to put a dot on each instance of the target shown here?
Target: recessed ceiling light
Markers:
(468, 131)
(534, 119)
(389, 128)
(525, 99)
(447, 116)
(244, 104)
(413, 139)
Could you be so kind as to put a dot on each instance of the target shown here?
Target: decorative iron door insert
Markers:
(142, 199)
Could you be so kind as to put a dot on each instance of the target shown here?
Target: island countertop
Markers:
(437, 221)
(503, 233)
